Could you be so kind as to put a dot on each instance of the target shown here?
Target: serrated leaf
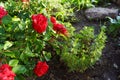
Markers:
(19, 69)
(13, 62)
(7, 45)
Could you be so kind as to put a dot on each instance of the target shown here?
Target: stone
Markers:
(101, 13)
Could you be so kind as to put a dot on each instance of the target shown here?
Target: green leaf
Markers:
(7, 45)
(13, 62)
(10, 54)
(7, 19)
(118, 17)
(28, 52)
(2, 31)
(19, 69)
(1, 46)
(19, 77)
(15, 18)
(21, 26)
(47, 55)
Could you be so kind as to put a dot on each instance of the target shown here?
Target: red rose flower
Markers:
(5, 66)
(3, 12)
(53, 19)
(41, 68)
(60, 29)
(39, 23)
(6, 72)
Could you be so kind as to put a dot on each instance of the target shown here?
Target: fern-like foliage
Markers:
(84, 49)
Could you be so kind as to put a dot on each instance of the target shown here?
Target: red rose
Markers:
(53, 19)
(39, 23)
(60, 29)
(41, 68)
(6, 72)
(3, 12)
(5, 66)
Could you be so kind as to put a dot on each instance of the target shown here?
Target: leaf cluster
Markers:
(84, 49)
(114, 27)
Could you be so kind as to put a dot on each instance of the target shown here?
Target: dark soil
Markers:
(107, 68)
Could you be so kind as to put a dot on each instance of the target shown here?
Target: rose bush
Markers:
(25, 35)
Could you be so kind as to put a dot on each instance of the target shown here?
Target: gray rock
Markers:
(100, 13)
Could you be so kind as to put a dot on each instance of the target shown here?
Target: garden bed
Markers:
(107, 68)
(59, 40)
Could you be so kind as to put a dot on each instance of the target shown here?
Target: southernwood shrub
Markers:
(83, 49)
